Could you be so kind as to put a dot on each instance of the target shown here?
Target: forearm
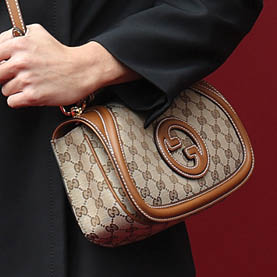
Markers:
(179, 42)
(97, 63)
(37, 70)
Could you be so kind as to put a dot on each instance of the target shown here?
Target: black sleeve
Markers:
(176, 43)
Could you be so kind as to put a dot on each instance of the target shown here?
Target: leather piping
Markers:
(112, 143)
(199, 202)
(166, 143)
(92, 119)
(108, 181)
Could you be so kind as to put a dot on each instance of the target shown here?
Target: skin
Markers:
(37, 70)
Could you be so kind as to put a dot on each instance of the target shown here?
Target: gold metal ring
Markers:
(17, 32)
(79, 108)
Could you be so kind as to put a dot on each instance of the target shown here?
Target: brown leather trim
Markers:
(166, 143)
(16, 17)
(109, 135)
(193, 205)
(90, 116)
(109, 183)
(92, 119)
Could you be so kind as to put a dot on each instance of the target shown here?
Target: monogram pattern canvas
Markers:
(99, 199)
(100, 216)
(145, 163)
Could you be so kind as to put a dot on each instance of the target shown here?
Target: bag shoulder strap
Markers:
(19, 28)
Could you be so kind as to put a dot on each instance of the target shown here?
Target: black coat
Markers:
(171, 43)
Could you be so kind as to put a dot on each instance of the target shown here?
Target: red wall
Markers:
(238, 237)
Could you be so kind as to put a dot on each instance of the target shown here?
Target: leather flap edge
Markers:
(181, 210)
(101, 120)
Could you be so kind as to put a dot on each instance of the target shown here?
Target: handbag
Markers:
(126, 183)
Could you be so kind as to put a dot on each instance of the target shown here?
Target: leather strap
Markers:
(19, 28)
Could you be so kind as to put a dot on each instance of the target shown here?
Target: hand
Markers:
(37, 70)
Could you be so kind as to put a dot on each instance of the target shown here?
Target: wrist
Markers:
(101, 69)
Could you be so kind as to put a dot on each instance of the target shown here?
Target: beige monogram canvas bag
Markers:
(126, 183)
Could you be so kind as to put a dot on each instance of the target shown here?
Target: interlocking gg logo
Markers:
(167, 143)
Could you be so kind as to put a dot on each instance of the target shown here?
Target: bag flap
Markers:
(199, 146)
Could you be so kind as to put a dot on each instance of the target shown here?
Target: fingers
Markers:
(13, 62)
(4, 36)
(5, 51)
(7, 72)
(13, 90)
(19, 97)
(10, 45)
(25, 98)
(17, 100)
(5, 47)
(10, 68)
(20, 93)
(15, 85)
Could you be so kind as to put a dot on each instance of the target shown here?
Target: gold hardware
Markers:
(17, 32)
(79, 108)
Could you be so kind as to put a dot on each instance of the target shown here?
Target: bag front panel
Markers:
(145, 164)
(101, 216)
